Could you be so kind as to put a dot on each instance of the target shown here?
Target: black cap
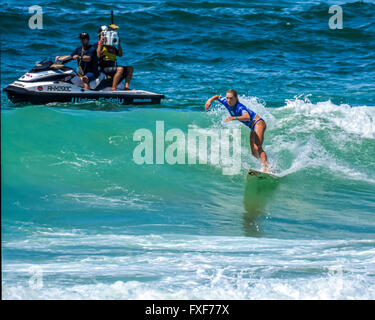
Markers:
(84, 35)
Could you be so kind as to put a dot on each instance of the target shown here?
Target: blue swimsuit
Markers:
(238, 110)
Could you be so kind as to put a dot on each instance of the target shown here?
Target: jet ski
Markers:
(51, 81)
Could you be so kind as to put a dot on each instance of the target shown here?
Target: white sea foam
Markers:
(353, 120)
(195, 267)
(330, 287)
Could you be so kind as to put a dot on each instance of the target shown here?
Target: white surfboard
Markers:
(261, 175)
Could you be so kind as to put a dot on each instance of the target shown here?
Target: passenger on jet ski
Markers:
(87, 60)
(107, 61)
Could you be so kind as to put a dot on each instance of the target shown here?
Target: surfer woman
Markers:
(249, 118)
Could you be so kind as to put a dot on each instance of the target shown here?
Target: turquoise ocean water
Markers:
(82, 220)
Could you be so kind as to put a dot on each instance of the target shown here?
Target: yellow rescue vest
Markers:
(109, 55)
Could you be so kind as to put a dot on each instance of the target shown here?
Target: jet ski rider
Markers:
(87, 60)
(107, 61)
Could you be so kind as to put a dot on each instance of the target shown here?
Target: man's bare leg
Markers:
(117, 77)
(129, 76)
(86, 83)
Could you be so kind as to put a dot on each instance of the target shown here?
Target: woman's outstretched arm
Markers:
(209, 101)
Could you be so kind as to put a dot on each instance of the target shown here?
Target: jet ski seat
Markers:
(94, 83)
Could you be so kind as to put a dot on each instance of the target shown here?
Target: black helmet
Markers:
(84, 35)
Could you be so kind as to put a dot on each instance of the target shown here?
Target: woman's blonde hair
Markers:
(234, 92)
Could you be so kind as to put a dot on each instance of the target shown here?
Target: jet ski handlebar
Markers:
(63, 59)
